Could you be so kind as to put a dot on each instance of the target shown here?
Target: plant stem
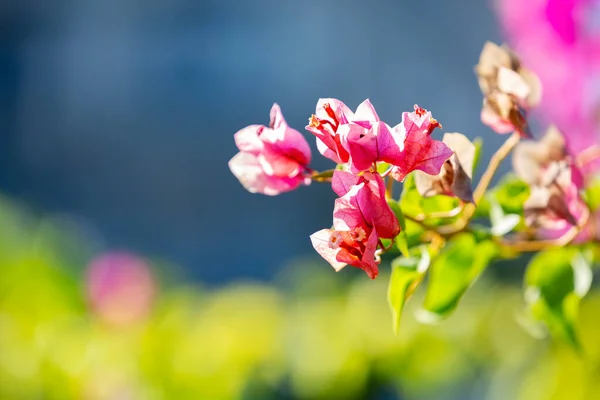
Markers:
(495, 162)
(440, 214)
(537, 245)
(389, 187)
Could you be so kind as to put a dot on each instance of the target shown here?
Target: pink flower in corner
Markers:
(272, 159)
(560, 41)
(361, 216)
(419, 150)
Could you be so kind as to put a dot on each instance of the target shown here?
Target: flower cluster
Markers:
(274, 159)
(553, 206)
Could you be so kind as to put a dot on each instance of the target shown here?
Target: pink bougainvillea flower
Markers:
(327, 122)
(560, 41)
(366, 146)
(361, 216)
(362, 198)
(455, 176)
(354, 247)
(272, 159)
(509, 90)
(120, 288)
(419, 150)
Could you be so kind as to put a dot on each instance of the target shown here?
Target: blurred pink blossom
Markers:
(560, 41)
(120, 288)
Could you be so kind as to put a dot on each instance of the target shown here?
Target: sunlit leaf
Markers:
(501, 223)
(401, 240)
(556, 280)
(407, 274)
(382, 167)
(478, 142)
(454, 270)
(511, 194)
(592, 194)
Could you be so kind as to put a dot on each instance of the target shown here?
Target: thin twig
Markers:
(389, 187)
(440, 214)
(486, 179)
(419, 222)
(495, 162)
(537, 245)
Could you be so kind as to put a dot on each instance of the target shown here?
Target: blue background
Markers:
(121, 112)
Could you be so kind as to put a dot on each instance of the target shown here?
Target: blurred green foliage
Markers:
(310, 335)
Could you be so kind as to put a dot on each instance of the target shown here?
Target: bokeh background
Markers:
(133, 265)
(122, 112)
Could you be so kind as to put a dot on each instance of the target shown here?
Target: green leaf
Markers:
(511, 193)
(407, 274)
(501, 223)
(592, 194)
(408, 185)
(382, 167)
(555, 282)
(402, 243)
(453, 272)
(478, 142)
(401, 240)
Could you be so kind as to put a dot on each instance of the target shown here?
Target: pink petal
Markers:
(285, 140)
(342, 112)
(420, 151)
(248, 170)
(347, 214)
(277, 119)
(367, 261)
(320, 241)
(389, 148)
(365, 114)
(363, 204)
(248, 140)
(375, 210)
(327, 152)
(342, 182)
(278, 165)
(361, 145)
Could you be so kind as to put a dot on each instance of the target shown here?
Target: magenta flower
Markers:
(272, 159)
(362, 199)
(361, 216)
(418, 150)
(367, 146)
(333, 122)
